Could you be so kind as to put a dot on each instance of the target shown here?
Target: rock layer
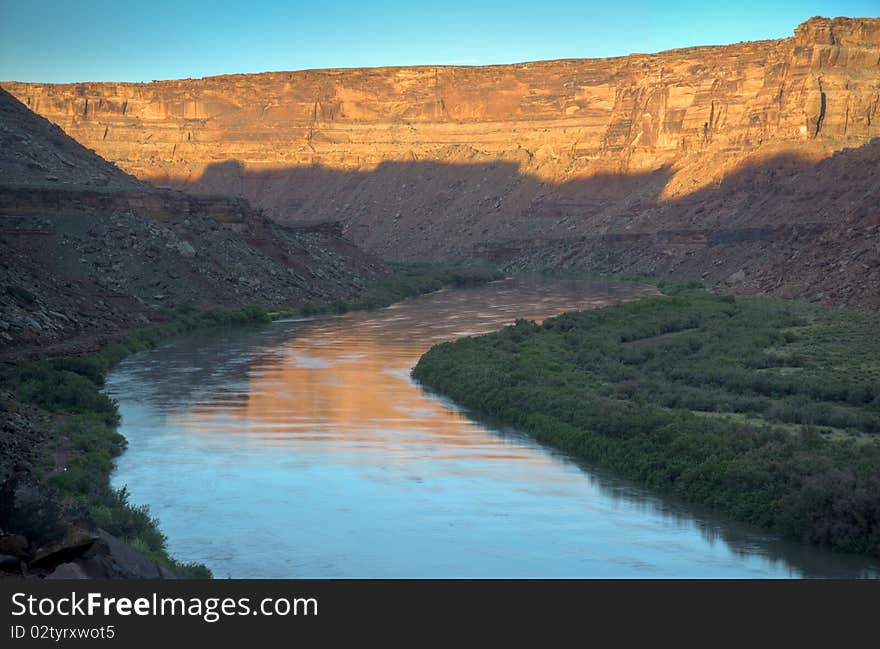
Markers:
(558, 119)
(466, 162)
(88, 252)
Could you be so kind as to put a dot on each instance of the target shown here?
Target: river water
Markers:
(304, 449)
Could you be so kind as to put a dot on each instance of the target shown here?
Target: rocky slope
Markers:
(517, 163)
(87, 251)
(786, 227)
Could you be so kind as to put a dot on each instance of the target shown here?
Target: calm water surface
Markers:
(304, 449)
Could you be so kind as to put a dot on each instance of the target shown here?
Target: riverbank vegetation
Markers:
(405, 280)
(765, 409)
(86, 435)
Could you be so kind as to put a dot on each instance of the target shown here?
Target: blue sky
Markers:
(118, 40)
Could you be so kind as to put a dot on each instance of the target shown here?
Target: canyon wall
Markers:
(88, 252)
(513, 163)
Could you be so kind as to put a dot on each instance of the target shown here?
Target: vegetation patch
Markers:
(762, 408)
(406, 280)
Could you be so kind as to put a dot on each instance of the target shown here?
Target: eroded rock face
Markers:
(557, 119)
(452, 162)
(88, 252)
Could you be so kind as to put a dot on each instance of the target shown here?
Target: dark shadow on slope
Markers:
(776, 226)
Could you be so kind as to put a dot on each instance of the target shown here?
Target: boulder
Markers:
(9, 563)
(68, 571)
(110, 558)
(75, 542)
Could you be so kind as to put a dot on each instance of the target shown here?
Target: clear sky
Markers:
(136, 40)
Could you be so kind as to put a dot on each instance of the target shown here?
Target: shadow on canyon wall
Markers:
(786, 224)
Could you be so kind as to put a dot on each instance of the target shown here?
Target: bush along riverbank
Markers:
(68, 473)
(764, 409)
(63, 477)
(406, 280)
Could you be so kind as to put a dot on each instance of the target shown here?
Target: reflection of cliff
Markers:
(341, 382)
(341, 397)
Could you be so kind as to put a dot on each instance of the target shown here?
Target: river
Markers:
(304, 449)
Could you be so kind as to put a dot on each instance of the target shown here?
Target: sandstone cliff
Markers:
(87, 251)
(464, 163)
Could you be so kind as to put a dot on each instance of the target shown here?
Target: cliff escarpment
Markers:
(88, 252)
(520, 163)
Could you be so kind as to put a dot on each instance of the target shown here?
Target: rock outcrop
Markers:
(88, 251)
(467, 162)
(45, 537)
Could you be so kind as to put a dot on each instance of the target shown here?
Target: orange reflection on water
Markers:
(341, 385)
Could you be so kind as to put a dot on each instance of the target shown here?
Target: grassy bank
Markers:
(764, 409)
(86, 433)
